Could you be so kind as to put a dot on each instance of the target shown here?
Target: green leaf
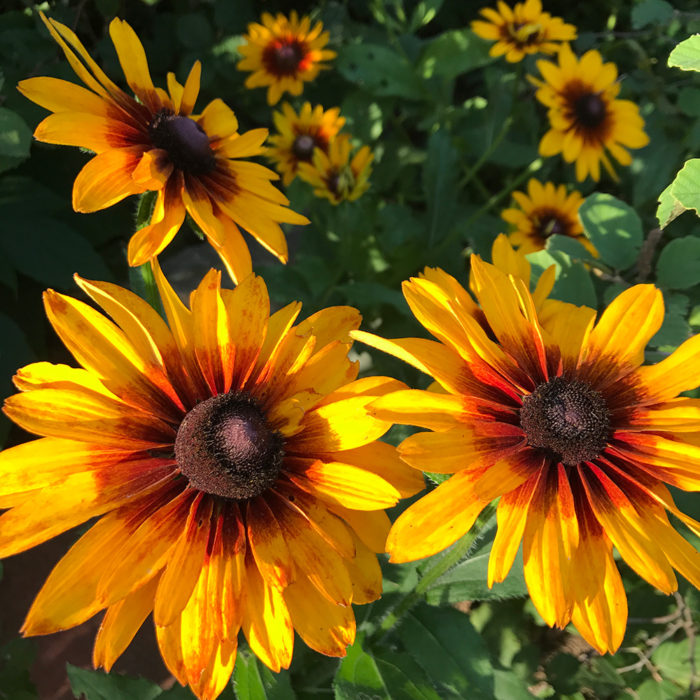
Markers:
(15, 139)
(675, 328)
(686, 55)
(380, 70)
(194, 31)
(686, 187)
(254, 681)
(678, 266)
(371, 294)
(50, 252)
(97, 685)
(468, 580)
(673, 660)
(689, 101)
(444, 644)
(651, 12)
(669, 208)
(573, 282)
(651, 690)
(16, 659)
(453, 53)
(613, 227)
(383, 674)
(440, 184)
(509, 687)
(423, 13)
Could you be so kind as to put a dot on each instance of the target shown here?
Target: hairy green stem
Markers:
(450, 559)
(141, 278)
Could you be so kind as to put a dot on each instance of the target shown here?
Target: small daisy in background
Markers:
(586, 119)
(155, 142)
(522, 30)
(283, 53)
(335, 175)
(545, 210)
(299, 134)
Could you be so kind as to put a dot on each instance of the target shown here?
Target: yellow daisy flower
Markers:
(154, 141)
(299, 134)
(238, 480)
(558, 418)
(521, 30)
(585, 118)
(544, 211)
(283, 54)
(336, 177)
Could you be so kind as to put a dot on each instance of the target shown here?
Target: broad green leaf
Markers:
(573, 282)
(444, 644)
(98, 685)
(689, 101)
(452, 53)
(371, 294)
(50, 252)
(673, 660)
(678, 266)
(686, 55)
(686, 187)
(380, 70)
(440, 184)
(15, 135)
(16, 659)
(613, 227)
(468, 580)
(194, 31)
(382, 675)
(357, 675)
(568, 245)
(15, 352)
(507, 686)
(652, 690)
(651, 12)
(669, 208)
(254, 681)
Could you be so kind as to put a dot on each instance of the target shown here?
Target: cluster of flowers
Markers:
(282, 54)
(586, 119)
(231, 455)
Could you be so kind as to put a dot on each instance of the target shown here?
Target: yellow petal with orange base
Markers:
(435, 521)
(121, 623)
(325, 627)
(266, 622)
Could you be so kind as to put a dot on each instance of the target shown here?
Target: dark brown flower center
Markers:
(568, 418)
(225, 447)
(303, 147)
(283, 57)
(524, 33)
(550, 225)
(185, 141)
(589, 110)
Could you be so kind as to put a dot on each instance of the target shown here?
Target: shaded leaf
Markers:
(440, 184)
(444, 644)
(254, 681)
(98, 685)
(678, 266)
(380, 70)
(669, 208)
(613, 227)
(651, 12)
(452, 53)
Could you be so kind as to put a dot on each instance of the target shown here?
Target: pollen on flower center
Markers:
(185, 141)
(225, 447)
(303, 147)
(568, 418)
(590, 110)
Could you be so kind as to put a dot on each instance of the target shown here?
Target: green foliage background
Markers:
(454, 132)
